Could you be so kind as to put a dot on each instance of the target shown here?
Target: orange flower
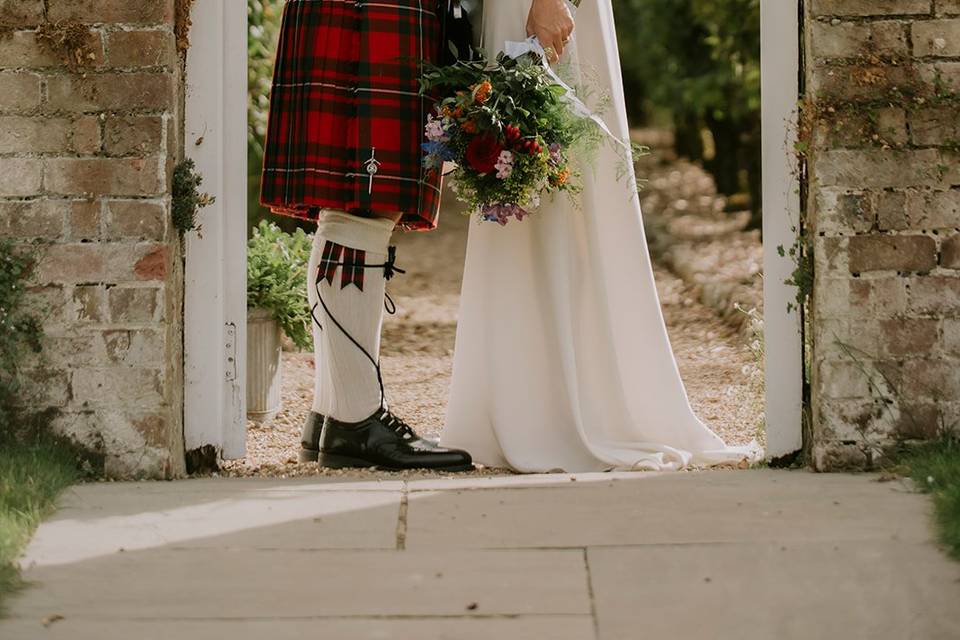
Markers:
(469, 126)
(562, 177)
(482, 91)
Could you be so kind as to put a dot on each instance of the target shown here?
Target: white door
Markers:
(216, 300)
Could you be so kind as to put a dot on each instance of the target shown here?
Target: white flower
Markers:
(504, 165)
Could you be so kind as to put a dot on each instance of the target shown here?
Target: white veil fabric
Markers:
(562, 359)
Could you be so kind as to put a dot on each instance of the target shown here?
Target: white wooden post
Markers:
(780, 68)
(215, 303)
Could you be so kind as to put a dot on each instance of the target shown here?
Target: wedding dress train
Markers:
(562, 358)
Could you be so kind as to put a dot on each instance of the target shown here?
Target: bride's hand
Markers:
(551, 22)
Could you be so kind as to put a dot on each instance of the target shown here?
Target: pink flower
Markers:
(504, 165)
(434, 130)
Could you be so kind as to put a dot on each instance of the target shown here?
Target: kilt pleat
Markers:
(346, 116)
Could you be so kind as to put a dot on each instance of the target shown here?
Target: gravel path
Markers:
(717, 365)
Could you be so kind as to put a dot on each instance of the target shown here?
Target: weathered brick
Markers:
(935, 126)
(930, 379)
(848, 420)
(909, 336)
(21, 13)
(141, 49)
(117, 386)
(20, 176)
(117, 11)
(878, 297)
(844, 380)
(27, 134)
(936, 38)
(882, 127)
(877, 168)
(86, 135)
(878, 252)
(941, 77)
(134, 304)
(830, 256)
(840, 211)
(45, 387)
(134, 346)
(919, 421)
(136, 219)
(19, 91)
(93, 262)
(950, 252)
(850, 40)
(834, 337)
(921, 210)
(20, 49)
(133, 135)
(871, 7)
(88, 304)
(48, 302)
(105, 176)
(868, 82)
(951, 336)
(41, 219)
(934, 294)
(84, 217)
(947, 7)
(831, 297)
(111, 92)
(892, 211)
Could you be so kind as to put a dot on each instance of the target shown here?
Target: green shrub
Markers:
(277, 279)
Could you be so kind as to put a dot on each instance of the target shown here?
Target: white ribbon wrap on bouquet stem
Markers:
(532, 45)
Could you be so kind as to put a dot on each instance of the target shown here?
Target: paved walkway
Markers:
(739, 555)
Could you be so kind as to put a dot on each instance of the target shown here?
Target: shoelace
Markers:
(400, 427)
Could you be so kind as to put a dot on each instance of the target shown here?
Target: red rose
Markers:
(483, 153)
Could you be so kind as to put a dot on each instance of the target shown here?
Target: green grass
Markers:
(32, 475)
(935, 468)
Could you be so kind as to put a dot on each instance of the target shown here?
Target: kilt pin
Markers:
(346, 114)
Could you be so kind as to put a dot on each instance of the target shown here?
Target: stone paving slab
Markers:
(667, 509)
(573, 627)
(751, 554)
(97, 523)
(869, 590)
(215, 583)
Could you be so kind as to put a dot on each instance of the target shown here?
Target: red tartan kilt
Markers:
(346, 117)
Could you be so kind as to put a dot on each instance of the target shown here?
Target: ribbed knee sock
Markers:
(346, 384)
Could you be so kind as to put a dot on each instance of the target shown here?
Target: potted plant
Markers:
(276, 303)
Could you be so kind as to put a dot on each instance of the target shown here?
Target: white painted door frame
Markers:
(780, 70)
(215, 305)
(215, 312)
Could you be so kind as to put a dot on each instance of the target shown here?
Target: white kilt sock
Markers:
(346, 385)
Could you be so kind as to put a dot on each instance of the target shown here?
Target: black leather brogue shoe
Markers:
(310, 438)
(386, 442)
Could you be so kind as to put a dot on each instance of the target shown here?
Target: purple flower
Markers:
(501, 213)
(555, 156)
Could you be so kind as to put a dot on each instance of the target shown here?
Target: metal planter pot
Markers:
(264, 350)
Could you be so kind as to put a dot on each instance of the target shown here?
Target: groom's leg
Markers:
(351, 268)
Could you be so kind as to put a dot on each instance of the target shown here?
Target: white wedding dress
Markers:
(562, 358)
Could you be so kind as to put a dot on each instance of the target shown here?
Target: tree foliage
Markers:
(699, 62)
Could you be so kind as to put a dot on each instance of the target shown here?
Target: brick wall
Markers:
(883, 89)
(86, 153)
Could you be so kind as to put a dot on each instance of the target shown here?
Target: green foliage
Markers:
(699, 62)
(33, 472)
(263, 23)
(277, 276)
(20, 330)
(935, 468)
(187, 198)
(34, 465)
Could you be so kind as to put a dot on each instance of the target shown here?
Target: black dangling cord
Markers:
(389, 270)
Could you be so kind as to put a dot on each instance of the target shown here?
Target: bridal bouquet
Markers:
(510, 131)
